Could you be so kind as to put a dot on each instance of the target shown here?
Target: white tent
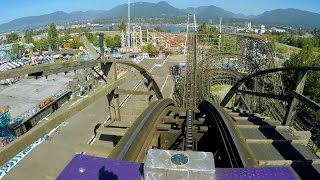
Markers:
(10, 65)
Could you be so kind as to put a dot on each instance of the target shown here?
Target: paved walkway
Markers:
(47, 160)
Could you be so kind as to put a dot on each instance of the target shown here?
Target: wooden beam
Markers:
(306, 101)
(133, 92)
(267, 95)
(234, 89)
(301, 77)
(244, 103)
(48, 69)
(89, 47)
(112, 131)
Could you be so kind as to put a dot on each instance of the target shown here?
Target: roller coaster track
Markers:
(235, 135)
(164, 122)
(162, 35)
(239, 136)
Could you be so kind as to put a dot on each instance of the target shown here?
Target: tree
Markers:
(52, 35)
(42, 44)
(214, 30)
(301, 32)
(306, 57)
(74, 43)
(29, 38)
(123, 27)
(16, 48)
(158, 29)
(149, 48)
(12, 38)
(91, 37)
(113, 42)
(203, 28)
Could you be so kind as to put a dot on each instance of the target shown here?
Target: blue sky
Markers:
(12, 9)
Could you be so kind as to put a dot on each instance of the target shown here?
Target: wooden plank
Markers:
(244, 114)
(240, 118)
(47, 69)
(112, 131)
(164, 127)
(182, 113)
(261, 127)
(199, 121)
(267, 95)
(168, 119)
(269, 141)
(133, 92)
(203, 129)
(119, 124)
(178, 109)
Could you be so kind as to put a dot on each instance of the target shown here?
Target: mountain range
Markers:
(280, 17)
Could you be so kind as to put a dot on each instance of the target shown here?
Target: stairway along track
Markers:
(272, 144)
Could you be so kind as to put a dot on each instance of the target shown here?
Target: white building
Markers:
(263, 29)
(248, 26)
(274, 29)
(60, 27)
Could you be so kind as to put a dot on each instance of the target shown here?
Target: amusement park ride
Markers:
(249, 134)
(138, 35)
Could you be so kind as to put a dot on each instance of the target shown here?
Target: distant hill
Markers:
(58, 17)
(212, 12)
(290, 17)
(281, 17)
(144, 9)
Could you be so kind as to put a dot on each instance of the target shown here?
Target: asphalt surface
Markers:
(28, 93)
(48, 159)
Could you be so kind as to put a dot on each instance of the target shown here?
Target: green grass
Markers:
(216, 89)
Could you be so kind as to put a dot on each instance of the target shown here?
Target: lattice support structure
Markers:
(217, 59)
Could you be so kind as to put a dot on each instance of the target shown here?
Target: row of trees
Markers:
(149, 48)
(52, 36)
(54, 40)
(205, 29)
(12, 38)
(113, 42)
(294, 40)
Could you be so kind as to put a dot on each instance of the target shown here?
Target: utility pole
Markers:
(128, 28)
(185, 42)
(220, 31)
(195, 22)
